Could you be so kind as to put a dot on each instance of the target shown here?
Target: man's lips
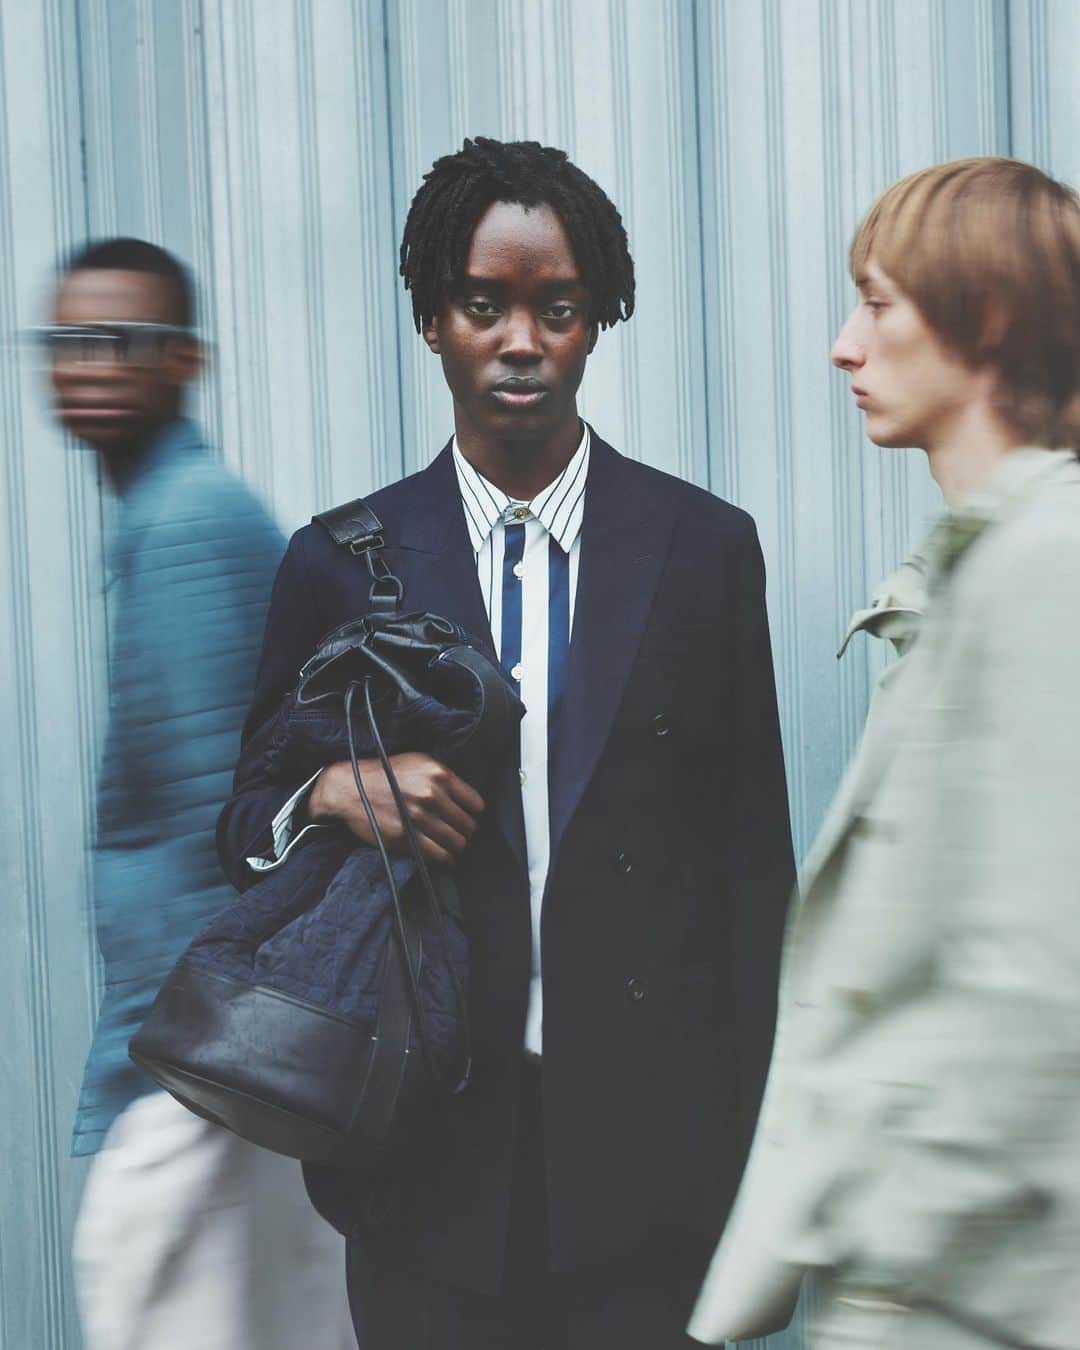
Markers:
(95, 412)
(861, 396)
(520, 393)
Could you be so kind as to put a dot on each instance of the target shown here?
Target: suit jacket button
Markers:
(660, 725)
(623, 862)
(636, 990)
(860, 1000)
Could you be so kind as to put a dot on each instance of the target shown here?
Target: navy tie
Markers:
(510, 648)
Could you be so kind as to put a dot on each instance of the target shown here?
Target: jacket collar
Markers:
(898, 604)
(896, 607)
(173, 440)
(1021, 473)
(140, 499)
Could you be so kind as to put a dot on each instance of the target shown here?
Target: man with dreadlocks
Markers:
(624, 888)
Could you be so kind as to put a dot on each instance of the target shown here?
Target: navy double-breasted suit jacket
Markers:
(671, 870)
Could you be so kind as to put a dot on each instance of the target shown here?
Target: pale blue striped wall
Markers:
(276, 144)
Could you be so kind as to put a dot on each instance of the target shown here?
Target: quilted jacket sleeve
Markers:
(190, 598)
(293, 629)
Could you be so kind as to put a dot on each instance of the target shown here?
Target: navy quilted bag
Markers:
(328, 1003)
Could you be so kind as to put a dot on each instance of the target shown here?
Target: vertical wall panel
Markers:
(49, 617)
(1044, 60)
(143, 102)
(301, 250)
(808, 108)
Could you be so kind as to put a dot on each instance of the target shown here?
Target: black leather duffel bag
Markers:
(328, 1003)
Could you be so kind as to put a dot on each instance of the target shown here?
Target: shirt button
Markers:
(636, 990)
(517, 671)
(660, 725)
(519, 570)
(522, 776)
(623, 862)
(521, 512)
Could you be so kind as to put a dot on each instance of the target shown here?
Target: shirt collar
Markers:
(559, 507)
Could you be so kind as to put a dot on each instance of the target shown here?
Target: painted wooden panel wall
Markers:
(51, 622)
(275, 144)
(807, 111)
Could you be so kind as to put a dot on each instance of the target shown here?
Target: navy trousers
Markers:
(639, 1306)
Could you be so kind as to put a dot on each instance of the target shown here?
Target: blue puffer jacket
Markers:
(190, 572)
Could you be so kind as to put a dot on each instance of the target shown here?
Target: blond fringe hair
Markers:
(989, 251)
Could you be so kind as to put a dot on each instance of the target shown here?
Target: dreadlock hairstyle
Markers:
(459, 188)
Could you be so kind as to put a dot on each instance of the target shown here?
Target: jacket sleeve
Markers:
(192, 597)
(977, 1118)
(293, 629)
(760, 835)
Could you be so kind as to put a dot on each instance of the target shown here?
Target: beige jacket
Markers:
(920, 1133)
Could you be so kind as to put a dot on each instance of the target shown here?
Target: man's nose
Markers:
(521, 341)
(90, 372)
(847, 352)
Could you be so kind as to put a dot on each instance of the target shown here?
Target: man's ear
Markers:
(594, 333)
(431, 334)
(184, 360)
(996, 321)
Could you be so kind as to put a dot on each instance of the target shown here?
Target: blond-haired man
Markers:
(919, 1144)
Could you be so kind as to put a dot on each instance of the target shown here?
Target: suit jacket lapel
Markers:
(435, 559)
(624, 542)
(433, 551)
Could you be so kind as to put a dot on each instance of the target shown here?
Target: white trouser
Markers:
(189, 1238)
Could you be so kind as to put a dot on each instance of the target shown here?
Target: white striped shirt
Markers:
(553, 516)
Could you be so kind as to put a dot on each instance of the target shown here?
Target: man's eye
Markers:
(482, 309)
(562, 309)
(875, 306)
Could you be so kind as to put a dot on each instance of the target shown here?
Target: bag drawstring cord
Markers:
(434, 903)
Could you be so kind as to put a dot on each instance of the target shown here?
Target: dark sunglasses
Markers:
(104, 344)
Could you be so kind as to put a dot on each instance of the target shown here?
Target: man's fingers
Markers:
(440, 832)
(465, 796)
(446, 809)
(433, 853)
(438, 838)
(443, 808)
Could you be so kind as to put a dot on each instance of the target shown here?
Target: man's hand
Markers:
(443, 808)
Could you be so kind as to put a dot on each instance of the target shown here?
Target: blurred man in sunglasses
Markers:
(186, 1234)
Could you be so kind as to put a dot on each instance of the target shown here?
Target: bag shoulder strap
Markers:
(355, 526)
